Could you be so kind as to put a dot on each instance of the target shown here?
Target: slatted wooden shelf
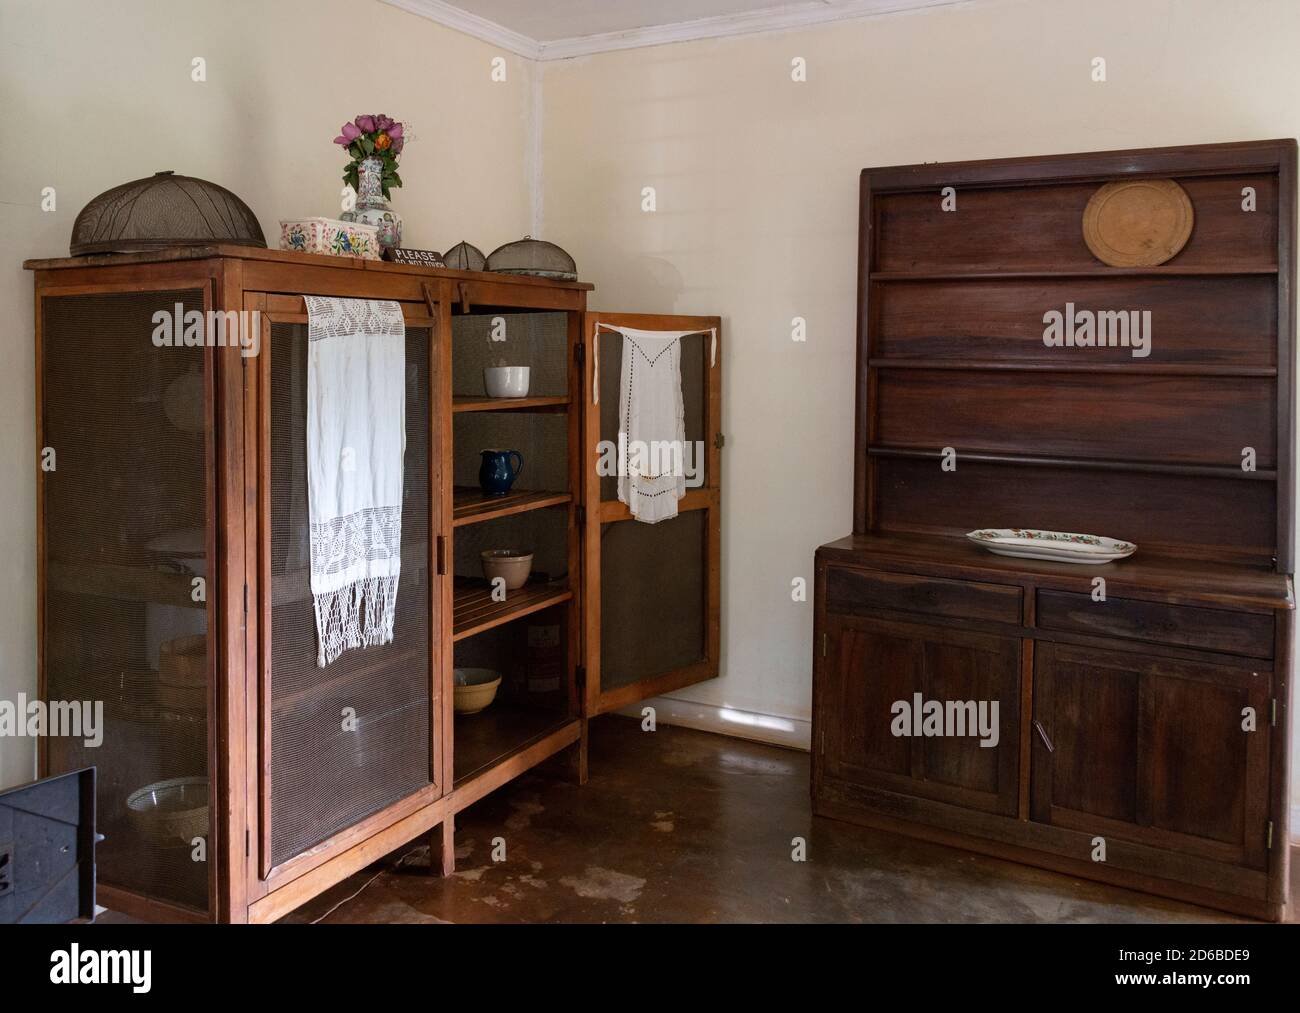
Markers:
(485, 739)
(472, 506)
(476, 611)
(509, 404)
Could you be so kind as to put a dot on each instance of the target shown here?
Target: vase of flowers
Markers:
(374, 142)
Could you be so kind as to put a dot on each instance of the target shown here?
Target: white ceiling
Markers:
(556, 29)
(551, 20)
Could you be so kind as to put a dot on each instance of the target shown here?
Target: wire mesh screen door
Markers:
(653, 601)
(347, 741)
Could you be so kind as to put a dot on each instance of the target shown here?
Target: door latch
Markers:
(1042, 734)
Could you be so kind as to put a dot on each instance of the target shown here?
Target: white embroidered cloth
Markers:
(651, 422)
(356, 438)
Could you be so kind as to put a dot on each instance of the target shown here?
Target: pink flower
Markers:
(350, 134)
(366, 123)
(383, 122)
(394, 130)
(397, 144)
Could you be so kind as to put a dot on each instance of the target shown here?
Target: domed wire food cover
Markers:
(163, 210)
(534, 257)
(464, 257)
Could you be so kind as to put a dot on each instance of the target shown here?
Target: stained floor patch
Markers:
(685, 826)
(605, 884)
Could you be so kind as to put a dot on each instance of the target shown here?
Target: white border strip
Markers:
(451, 16)
(793, 733)
(779, 19)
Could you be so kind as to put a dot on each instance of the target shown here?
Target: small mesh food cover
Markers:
(160, 211)
(533, 257)
(464, 257)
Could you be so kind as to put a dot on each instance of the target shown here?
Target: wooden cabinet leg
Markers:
(442, 848)
(578, 756)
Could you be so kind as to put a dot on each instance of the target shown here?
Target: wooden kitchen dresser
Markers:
(1143, 705)
(171, 518)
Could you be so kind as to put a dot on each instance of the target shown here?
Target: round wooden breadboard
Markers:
(1137, 222)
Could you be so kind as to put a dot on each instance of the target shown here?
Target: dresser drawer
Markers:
(1245, 633)
(857, 591)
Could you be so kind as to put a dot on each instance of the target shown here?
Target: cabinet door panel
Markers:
(874, 672)
(128, 533)
(353, 743)
(1095, 731)
(652, 601)
(1152, 750)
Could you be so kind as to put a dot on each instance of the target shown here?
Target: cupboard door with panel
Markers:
(651, 610)
(871, 666)
(352, 747)
(1152, 750)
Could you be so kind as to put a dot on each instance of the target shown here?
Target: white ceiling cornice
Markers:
(748, 23)
(471, 24)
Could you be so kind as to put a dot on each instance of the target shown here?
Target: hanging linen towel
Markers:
(652, 421)
(356, 438)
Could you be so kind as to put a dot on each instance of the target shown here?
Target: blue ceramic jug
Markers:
(497, 473)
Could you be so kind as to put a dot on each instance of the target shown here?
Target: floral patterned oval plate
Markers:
(1060, 546)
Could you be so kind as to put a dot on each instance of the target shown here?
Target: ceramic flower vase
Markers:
(372, 206)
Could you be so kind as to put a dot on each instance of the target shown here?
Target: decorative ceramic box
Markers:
(330, 236)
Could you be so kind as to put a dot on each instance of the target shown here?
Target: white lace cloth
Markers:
(356, 438)
(651, 422)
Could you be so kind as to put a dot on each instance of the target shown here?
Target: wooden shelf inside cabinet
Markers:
(485, 739)
(472, 506)
(1058, 366)
(123, 583)
(1099, 271)
(1229, 471)
(337, 683)
(476, 611)
(509, 404)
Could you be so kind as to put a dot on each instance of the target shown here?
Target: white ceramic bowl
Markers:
(512, 565)
(171, 810)
(474, 688)
(506, 381)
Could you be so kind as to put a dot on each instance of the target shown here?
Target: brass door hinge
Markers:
(1268, 837)
(825, 641)
(719, 441)
(1272, 712)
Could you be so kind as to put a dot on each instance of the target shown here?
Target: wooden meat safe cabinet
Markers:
(173, 583)
(1142, 739)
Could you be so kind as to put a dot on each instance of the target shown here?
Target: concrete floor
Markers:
(684, 826)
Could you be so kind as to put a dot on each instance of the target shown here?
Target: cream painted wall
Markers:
(757, 187)
(756, 180)
(96, 94)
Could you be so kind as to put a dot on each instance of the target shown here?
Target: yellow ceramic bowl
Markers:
(475, 688)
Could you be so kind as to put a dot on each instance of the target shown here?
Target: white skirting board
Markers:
(792, 733)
